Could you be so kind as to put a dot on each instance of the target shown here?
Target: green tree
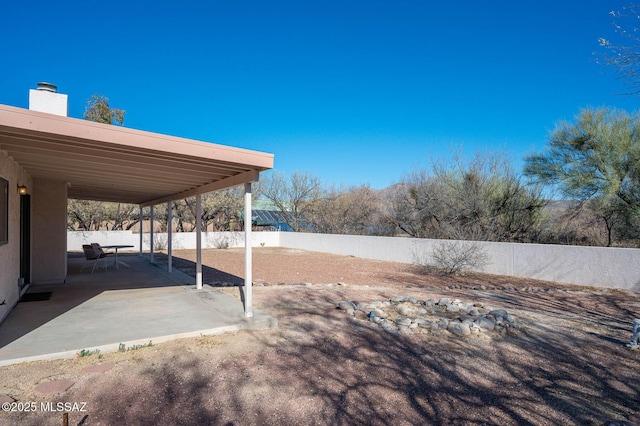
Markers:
(98, 110)
(94, 215)
(480, 199)
(595, 160)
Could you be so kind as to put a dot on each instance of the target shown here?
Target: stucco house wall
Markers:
(10, 252)
(49, 231)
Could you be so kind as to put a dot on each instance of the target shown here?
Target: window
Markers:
(4, 211)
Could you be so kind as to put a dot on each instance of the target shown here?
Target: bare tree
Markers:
(623, 51)
(88, 215)
(220, 211)
(85, 215)
(294, 196)
(182, 216)
(122, 216)
(353, 211)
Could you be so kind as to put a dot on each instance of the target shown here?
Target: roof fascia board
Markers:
(34, 121)
(239, 179)
(23, 145)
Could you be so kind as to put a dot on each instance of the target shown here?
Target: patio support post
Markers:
(199, 242)
(248, 269)
(151, 233)
(169, 228)
(140, 224)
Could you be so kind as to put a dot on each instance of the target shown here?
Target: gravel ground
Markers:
(568, 367)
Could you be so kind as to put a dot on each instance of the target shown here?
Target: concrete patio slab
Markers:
(52, 387)
(128, 306)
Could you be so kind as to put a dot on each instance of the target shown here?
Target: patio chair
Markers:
(100, 250)
(94, 252)
(98, 247)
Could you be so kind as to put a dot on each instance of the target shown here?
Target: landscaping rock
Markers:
(347, 306)
(498, 313)
(405, 309)
(444, 301)
(420, 321)
(485, 323)
(459, 329)
(474, 312)
(403, 321)
(388, 327)
(463, 306)
(634, 342)
(408, 315)
(443, 323)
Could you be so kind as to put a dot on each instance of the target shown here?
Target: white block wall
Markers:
(180, 240)
(590, 266)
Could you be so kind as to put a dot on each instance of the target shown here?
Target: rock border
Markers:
(409, 315)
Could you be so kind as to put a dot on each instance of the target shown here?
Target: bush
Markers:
(220, 241)
(452, 258)
(160, 241)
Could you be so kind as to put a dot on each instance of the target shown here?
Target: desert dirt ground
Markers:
(568, 367)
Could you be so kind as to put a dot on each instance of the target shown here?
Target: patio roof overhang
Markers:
(111, 163)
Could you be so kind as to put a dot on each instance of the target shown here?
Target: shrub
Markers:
(85, 352)
(452, 258)
(220, 242)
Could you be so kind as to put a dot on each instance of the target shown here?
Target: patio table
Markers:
(116, 247)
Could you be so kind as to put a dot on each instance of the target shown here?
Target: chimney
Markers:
(47, 99)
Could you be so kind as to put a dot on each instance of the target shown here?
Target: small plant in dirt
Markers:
(452, 258)
(160, 242)
(84, 353)
(221, 242)
(123, 348)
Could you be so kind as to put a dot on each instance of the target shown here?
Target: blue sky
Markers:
(355, 92)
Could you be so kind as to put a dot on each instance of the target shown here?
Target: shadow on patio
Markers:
(131, 305)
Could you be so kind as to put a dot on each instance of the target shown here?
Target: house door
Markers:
(25, 240)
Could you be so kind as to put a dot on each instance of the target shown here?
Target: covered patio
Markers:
(70, 158)
(47, 158)
(129, 306)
